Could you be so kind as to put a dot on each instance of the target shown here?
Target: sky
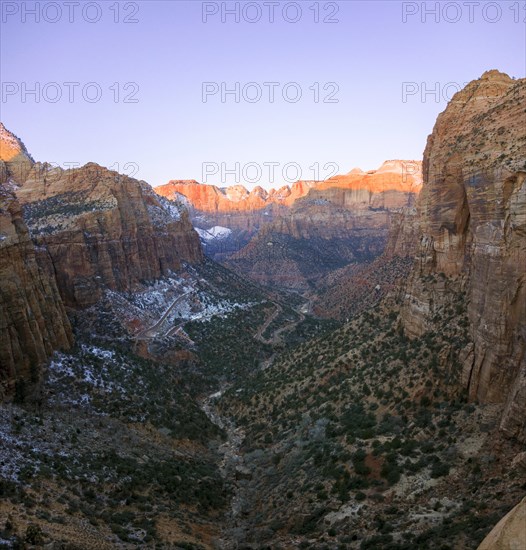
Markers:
(257, 93)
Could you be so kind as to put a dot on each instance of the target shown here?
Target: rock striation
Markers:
(386, 187)
(103, 230)
(472, 227)
(33, 320)
(67, 236)
(291, 237)
(17, 162)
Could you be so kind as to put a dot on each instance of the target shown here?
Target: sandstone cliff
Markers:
(345, 292)
(376, 188)
(65, 237)
(33, 321)
(510, 532)
(17, 162)
(472, 223)
(292, 237)
(104, 230)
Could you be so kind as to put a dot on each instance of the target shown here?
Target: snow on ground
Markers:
(156, 310)
(214, 233)
(92, 368)
(173, 208)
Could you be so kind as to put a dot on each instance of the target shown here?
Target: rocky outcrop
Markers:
(404, 232)
(311, 240)
(33, 321)
(345, 292)
(375, 188)
(291, 237)
(17, 162)
(510, 532)
(472, 225)
(104, 230)
(66, 236)
(236, 198)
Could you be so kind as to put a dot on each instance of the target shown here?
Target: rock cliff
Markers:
(33, 321)
(104, 230)
(472, 226)
(510, 532)
(376, 188)
(17, 162)
(65, 237)
(292, 237)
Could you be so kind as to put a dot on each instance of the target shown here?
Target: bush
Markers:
(439, 469)
(34, 535)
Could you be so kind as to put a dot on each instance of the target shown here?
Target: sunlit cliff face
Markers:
(393, 175)
(17, 160)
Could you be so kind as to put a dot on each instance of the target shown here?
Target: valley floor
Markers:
(204, 412)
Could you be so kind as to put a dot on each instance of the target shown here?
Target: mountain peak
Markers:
(395, 175)
(494, 74)
(14, 154)
(11, 145)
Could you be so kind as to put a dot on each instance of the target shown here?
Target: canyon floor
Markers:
(277, 429)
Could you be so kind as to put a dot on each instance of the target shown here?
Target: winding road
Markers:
(153, 332)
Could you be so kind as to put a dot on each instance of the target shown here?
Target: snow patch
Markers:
(214, 233)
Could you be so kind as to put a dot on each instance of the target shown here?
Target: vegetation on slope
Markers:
(363, 438)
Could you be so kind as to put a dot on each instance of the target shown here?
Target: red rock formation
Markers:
(345, 218)
(472, 217)
(33, 321)
(17, 161)
(394, 175)
(88, 230)
(104, 230)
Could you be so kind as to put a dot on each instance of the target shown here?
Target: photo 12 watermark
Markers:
(266, 173)
(68, 92)
(438, 92)
(51, 172)
(269, 92)
(270, 12)
(411, 170)
(69, 12)
(467, 12)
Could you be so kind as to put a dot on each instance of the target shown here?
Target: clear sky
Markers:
(151, 120)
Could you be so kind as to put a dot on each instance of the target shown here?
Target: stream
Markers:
(231, 466)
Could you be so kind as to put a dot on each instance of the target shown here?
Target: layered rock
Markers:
(309, 241)
(104, 230)
(33, 321)
(66, 236)
(293, 236)
(376, 188)
(472, 222)
(236, 198)
(345, 292)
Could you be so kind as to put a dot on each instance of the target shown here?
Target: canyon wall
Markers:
(66, 236)
(33, 320)
(292, 237)
(472, 229)
(104, 230)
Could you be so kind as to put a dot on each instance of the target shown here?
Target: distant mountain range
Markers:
(291, 237)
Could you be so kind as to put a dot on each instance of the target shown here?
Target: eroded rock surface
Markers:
(472, 225)
(33, 321)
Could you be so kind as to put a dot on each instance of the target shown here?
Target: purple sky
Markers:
(169, 132)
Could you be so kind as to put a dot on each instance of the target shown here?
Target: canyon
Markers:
(67, 237)
(336, 364)
(291, 238)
